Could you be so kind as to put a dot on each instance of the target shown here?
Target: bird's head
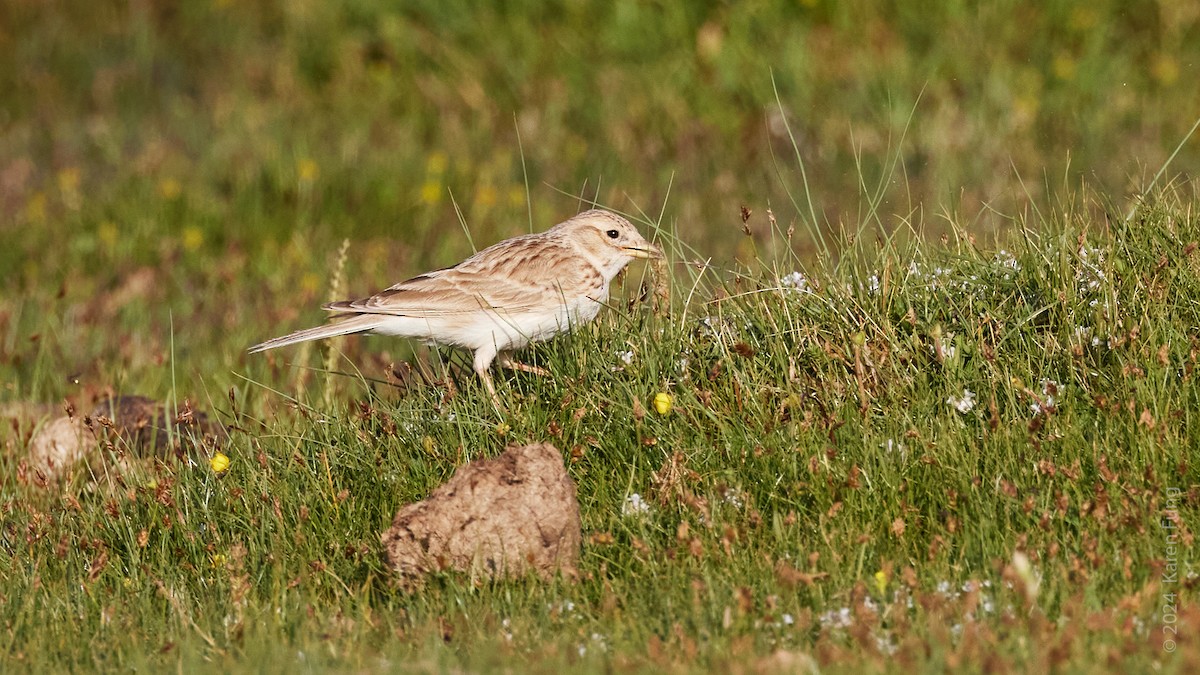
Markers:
(606, 234)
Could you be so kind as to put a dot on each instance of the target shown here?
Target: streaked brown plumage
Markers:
(521, 290)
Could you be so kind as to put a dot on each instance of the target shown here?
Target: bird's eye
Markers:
(612, 234)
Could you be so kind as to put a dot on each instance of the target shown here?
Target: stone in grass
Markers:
(495, 518)
(135, 426)
(59, 445)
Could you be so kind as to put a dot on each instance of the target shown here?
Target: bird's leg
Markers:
(505, 359)
(483, 361)
(487, 383)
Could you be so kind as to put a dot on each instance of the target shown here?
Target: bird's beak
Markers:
(649, 251)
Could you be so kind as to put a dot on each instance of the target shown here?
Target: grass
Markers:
(812, 490)
(901, 449)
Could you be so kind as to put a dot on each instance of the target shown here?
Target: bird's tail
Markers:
(347, 326)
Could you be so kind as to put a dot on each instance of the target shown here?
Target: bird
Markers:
(521, 290)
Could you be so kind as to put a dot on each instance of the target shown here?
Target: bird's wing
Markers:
(517, 275)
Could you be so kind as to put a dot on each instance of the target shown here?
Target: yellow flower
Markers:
(219, 462)
(68, 185)
(193, 237)
(169, 188)
(68, 179)
(108, 233)
(308, 170)
(502, 429)
(431, 192)
(218, 560)
(1063, 67)
(881, 581)
(662, 402)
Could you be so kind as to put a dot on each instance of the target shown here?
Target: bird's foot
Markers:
(507, 361)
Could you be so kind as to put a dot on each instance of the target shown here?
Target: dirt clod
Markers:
(495, 518)
(146, 426)
(58, 445)
(130, 426)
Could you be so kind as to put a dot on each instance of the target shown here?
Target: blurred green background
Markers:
(209, 157)
(364, 116)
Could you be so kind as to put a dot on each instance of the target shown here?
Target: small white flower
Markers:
(836, 618)
(1091, 253)
(964, 403)
(711, 326)
(565, 608)
(625, 358)
(947, 346)
(635, 506)
(794, 280)
(788, 620)
(734, 498)
(1006, 259)
(873, 284)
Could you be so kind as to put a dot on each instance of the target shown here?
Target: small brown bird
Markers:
(521, 290)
